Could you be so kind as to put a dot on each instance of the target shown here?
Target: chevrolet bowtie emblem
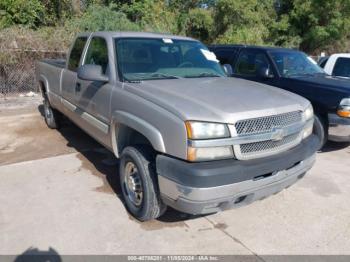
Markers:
(277, 134)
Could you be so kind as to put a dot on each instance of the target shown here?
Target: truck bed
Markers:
(55, 62)
(49, 71)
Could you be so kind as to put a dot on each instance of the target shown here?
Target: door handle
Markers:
(77, 87)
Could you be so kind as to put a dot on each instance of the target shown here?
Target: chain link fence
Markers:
(17, 70)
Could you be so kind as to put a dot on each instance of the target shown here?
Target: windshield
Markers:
(149, 59)
(294, 64)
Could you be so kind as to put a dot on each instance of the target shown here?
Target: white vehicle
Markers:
(337, 65)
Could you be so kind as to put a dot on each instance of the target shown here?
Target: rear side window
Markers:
(97, 53)
(225, 56)
(342, 67)
(323, 62)
(76, 53)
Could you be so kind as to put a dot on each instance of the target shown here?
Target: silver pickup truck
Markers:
(187, 136)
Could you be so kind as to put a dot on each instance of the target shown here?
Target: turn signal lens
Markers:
(308, 130)
(209, 153)
(344, 108)
(343, 113)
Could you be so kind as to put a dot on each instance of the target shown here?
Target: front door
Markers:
(251, 63)
(93, 97)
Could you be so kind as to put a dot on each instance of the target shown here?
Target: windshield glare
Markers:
(294, 64)
(149, 59)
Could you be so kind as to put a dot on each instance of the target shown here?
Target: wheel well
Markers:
(128, 136)
(42, 88)
(321, 111)
(323, 116)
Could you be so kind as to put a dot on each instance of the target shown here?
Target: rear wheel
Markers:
(320, 129)
(52, 116)
(139, 184)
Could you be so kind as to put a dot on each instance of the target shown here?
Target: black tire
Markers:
(52, 116)
(150, 206)
(321, 130)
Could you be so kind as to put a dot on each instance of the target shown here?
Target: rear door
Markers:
(69, 75)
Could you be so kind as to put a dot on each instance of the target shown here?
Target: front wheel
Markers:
(320, 129)
(139, 184)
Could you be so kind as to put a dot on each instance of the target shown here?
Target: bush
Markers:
(22, 12)
(152, 15)
(200, 24)
(101, 18)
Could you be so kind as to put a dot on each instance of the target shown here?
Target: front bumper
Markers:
(339, 128)
(201, 188)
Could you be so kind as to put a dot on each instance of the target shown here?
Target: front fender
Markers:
(138, 124)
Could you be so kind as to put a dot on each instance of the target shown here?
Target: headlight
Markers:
(204, 130)
(308, 113)
(209, 153)
(344, 108)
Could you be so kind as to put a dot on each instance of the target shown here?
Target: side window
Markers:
(250, 62)
(97, 53)
(76, 53)
(225, 56)
(342, 67)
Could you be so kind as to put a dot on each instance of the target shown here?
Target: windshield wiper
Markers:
(305, 74)
(204, 74)
(165, 76)
(132, 81)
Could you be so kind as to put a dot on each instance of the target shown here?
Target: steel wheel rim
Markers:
(133, 184)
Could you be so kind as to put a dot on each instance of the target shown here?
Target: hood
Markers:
(217, 99)
(326, 81)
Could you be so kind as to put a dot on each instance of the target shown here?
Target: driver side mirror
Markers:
(228, 69)
(92, 73)
(265, 73)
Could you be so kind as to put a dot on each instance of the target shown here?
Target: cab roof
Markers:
(137, 34)
(265, 48)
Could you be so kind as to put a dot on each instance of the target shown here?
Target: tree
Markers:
(56, 11)
(101, 18)
(318, 23)
(245, 22)
(23, 12)
(151, 15)
(199, 24)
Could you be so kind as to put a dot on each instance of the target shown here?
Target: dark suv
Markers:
(294, 71)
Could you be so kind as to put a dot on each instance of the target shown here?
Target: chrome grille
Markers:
(268, 145)
(266, 124)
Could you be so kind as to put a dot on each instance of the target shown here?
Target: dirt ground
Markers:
(65, 185)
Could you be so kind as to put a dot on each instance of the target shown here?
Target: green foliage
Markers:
(151, 15)
(311, 25)
(23, 12)
(200, 24)
(318, 23)
(101, 18)
(243, 22)
(56, 11)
